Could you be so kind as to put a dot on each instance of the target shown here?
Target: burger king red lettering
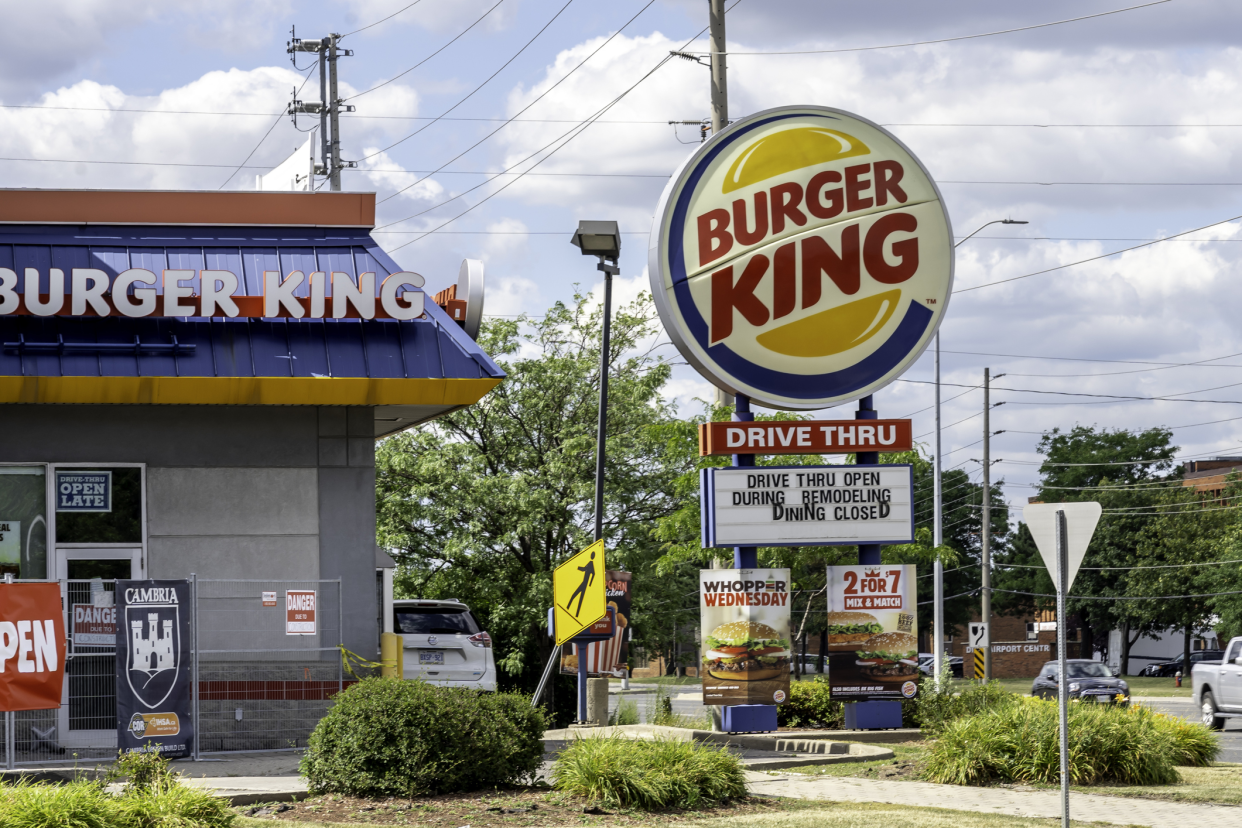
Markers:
(802, 257)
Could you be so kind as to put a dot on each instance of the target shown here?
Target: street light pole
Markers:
(601, 239)
(938, 629)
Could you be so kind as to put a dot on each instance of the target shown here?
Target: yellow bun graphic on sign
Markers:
(789, 150)
(834, 330)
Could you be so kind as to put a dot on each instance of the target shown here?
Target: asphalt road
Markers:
(1230, 737)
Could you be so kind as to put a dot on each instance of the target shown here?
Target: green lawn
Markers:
(1221, 783)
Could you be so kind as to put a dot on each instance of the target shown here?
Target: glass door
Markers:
(87, 716)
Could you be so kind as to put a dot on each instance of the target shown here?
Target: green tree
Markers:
(484, 503)
(1125, 471)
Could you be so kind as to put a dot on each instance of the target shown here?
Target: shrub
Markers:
(1193, 744)
(935, 707)
(77, 804)
(1019, 742)
(649, 774)
(810, 704)
(388, 737)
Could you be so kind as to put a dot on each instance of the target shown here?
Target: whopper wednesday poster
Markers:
(744, 623)
(872, 633)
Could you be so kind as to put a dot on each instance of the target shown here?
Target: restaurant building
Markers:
(194, 382)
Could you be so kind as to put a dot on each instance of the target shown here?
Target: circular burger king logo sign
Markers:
(802, 257)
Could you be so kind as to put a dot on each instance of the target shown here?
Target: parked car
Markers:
(1088, 681)
(1170, 667)
(1218, 687)
(444, 644)
(927, 665)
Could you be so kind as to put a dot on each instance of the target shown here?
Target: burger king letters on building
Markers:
(802, 257)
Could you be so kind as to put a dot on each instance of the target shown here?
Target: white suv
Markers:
(444, 644)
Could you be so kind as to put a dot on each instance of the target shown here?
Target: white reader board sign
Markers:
(807, 505)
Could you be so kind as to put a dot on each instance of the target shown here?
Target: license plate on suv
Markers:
(1104, 699)
(431, 658)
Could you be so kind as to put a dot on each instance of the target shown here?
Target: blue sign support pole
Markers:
(868, 553)
(744, 557)
(876, 714)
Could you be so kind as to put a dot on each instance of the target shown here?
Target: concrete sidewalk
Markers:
(1027, 803)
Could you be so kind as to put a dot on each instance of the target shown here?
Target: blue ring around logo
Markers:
(913, 326)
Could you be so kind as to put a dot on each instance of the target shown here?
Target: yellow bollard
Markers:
(392, 656)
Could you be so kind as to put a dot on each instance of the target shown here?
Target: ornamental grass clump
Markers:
(389, 737)
(1019, 743)
(651, 774)
(153, 797)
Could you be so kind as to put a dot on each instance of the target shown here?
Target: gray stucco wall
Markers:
(263, 492)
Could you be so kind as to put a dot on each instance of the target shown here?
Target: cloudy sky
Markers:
(1101, 133)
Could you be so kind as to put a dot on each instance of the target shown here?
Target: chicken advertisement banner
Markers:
(606, 658)
(744, 623)
(872, 633)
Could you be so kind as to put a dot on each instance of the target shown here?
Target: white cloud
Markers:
(44, 40)
(166, 136)
(433, 15)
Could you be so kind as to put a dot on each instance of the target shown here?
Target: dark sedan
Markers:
(1170, 667)
(1088, 681)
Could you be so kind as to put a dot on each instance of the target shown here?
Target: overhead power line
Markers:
(947, 39)
(279, 118)
(619, 121)
(1125, 568)
(537, 99)
(462, 34)
(561, 141)
(1120, 597)
(1095, 258)
(1077, 359)
(382, 20)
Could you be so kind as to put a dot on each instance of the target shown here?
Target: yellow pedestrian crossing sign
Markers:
(578, 592)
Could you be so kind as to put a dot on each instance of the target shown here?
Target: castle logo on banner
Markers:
(153, 690)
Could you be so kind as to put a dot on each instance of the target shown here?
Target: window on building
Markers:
(118, 519)
(23, 521)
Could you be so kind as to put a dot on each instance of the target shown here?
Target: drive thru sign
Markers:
(578, 594)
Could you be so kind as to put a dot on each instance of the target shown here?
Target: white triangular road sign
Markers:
(1080, 522)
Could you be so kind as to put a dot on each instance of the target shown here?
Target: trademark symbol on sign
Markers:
(931, 301)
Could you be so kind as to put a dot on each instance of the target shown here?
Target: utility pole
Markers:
(986, 616)
(329, 106)
(720, 99)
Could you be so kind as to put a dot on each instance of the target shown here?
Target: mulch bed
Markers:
(512, 807)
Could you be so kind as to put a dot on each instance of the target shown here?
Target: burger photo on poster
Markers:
(746, 651)
(889, 656)
(847, 630)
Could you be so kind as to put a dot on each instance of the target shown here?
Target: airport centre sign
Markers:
(802, 257)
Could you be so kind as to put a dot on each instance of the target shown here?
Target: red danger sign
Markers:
(300, 612)
(94, 626)
(32, 646)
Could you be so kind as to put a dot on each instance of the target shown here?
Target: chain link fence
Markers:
(260, 680)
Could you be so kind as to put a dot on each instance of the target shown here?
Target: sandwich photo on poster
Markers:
(872, 633)
(744, 621)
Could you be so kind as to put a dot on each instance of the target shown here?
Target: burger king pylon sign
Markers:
(802, 257)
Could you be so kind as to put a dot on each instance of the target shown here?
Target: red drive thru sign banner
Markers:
(805, 437)
(32, 647)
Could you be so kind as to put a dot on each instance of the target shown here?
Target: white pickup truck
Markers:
(1218, 687)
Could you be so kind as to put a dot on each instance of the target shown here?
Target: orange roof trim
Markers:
(187, 207)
